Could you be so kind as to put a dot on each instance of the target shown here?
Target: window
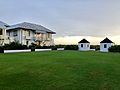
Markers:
(81, 45)
(49, 35)
(28, 33)
(14, 33)
(1, 31)
(87, 45)
(27, 42)
(8, 34)
(105, 45)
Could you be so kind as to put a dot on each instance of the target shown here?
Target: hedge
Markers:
(115, 48)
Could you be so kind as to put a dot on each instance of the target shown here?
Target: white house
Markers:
(3, 37)
(26, 33)
(84, 45)
(105, 44)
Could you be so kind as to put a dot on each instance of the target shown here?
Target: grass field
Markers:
(60, 70)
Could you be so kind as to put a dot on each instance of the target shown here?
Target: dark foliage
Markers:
(96, 47)
(71, 47)
(15, 46)
(1, 49)
(115, 48)
(54, 48)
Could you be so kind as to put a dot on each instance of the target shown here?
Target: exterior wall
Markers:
(3, 37)
(86, 46)
(22, 36)
(102, 49)
(44, 39)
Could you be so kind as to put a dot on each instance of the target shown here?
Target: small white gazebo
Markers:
(84, 45)
(105, 45)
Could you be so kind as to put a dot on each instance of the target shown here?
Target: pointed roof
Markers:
(3, 25)
(106, 40)
(31, 26)
(83, 41)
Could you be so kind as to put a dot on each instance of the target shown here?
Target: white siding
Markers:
(103, 49)
(24, 38)
(86, 46)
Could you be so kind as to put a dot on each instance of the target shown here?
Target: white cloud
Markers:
(93, 40)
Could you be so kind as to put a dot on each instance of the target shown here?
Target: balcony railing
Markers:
(1, 37)
(41, 39)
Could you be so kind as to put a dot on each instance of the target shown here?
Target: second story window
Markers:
(14, 33)
(1, 32)
(28, 33)
(48, 35)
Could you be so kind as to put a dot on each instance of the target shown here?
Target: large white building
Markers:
(105, 45)
(25, 33)
(84, 45)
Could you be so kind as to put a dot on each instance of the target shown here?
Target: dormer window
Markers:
(1, 32)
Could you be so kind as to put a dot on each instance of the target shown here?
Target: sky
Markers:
(72, 20)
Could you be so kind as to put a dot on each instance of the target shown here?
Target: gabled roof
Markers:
(83, 41)
(3, 25)
(106, 40)
(31, 26)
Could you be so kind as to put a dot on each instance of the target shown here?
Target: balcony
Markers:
(41, 39)
(2, 37)
(28, 37)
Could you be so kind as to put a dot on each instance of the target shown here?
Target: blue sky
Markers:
(73, 19)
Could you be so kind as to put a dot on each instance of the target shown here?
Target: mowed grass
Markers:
(60, 70)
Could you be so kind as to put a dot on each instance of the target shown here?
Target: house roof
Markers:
(106, 40)
(83, 41)
(31, 26)
(3, 25)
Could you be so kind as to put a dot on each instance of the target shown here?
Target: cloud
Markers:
(93, 18)
(93, 40)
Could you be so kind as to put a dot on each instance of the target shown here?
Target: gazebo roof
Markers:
(106, 40)
(83, 41)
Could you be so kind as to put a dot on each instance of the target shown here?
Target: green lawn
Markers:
(60, 70)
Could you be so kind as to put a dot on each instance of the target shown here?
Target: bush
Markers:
(54, 48)
(115, 48)
(39, 47)
(32, 49)
(15, 46)
(43, 47)
(71, 47)
(1, 49)
(60, 46)
(96, 47)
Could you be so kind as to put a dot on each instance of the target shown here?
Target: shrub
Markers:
(54, 48)
(71, 47)
(96, 47)
(115, 48)
(60, 46)
(15, 46)
(32, 49)
(1, 49)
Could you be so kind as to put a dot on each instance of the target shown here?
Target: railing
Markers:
(1, 37)
(41, 39)
(28, 37)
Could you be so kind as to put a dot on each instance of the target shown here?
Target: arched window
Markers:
(1, 31)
